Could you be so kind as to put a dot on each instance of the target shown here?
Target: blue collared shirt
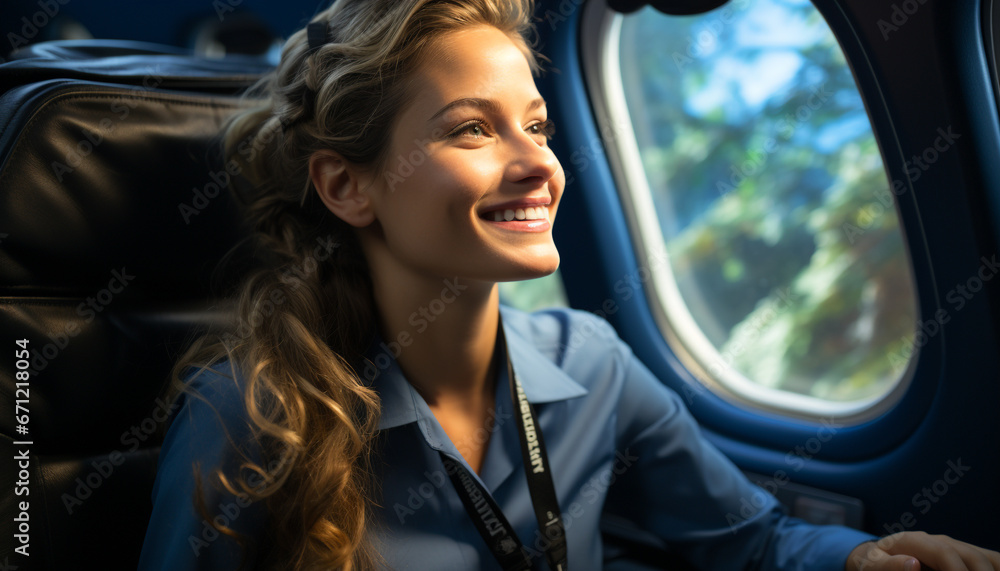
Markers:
(626, 458)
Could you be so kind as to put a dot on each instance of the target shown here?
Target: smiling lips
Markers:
(522, 217)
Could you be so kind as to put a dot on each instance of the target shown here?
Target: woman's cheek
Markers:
(475, 177)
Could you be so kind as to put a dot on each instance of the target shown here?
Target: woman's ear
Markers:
(339, 186)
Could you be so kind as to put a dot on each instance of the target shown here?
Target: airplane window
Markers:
(760, 205)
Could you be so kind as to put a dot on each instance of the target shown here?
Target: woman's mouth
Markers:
(523, 218)
(508, 214)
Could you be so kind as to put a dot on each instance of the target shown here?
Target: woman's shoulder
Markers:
(219, 376)
(216, 388)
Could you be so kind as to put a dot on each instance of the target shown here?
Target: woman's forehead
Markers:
(479, 62)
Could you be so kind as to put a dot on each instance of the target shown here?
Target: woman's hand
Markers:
(916, 550)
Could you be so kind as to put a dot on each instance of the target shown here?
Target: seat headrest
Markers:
(98, 177)
(131, 63)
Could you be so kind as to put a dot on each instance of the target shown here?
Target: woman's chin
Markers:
(537, 268)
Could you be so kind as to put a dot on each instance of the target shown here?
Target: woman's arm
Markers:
(698, 502)
(686, 492)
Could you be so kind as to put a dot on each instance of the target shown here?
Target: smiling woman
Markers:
(486, 153)
(543, 430)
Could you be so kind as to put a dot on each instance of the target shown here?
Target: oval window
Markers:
(748, 163)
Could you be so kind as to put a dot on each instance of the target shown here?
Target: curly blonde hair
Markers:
(303, 321)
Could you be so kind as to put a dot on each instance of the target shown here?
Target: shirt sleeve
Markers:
(201, 437)
(685, 496)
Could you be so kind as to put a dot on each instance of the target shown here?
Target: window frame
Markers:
(604, 82)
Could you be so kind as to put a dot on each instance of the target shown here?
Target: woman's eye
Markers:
(474, 129)
(545, 129)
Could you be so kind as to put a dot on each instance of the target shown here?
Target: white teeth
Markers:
(537, 213)
(527, 213)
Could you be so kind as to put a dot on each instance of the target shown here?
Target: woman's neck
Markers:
(445, 333)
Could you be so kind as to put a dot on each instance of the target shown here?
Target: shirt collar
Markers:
(543, 381)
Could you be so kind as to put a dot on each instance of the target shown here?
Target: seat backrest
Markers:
(114, 213)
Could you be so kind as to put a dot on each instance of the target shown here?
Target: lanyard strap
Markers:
(489, 519)
(487, 516)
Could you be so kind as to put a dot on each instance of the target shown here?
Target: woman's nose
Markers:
(530, 162)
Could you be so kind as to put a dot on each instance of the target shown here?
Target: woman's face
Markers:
(470, 187)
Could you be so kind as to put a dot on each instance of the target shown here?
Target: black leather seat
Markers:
(114, 213)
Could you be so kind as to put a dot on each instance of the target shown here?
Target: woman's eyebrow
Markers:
(490, 105)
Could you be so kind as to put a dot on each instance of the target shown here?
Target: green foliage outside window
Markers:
(771, 194)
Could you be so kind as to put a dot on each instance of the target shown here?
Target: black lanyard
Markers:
(497, 532)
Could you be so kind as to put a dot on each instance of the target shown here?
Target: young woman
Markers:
(374, 406)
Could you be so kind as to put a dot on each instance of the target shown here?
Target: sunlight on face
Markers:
(470, 187)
